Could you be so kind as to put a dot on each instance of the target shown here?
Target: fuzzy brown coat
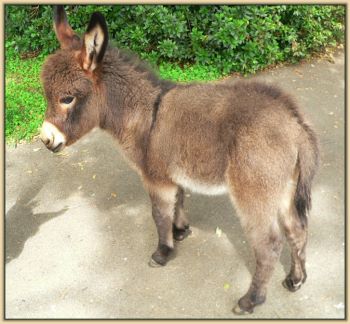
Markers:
(247, 139)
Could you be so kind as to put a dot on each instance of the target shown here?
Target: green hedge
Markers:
(242, 38)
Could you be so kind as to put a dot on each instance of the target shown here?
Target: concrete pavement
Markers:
(79, 231)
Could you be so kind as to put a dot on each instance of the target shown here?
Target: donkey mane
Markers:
(129, 59)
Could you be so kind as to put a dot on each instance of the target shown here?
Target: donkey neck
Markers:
(133, 94)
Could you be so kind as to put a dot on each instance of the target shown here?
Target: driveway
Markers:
(79, 231)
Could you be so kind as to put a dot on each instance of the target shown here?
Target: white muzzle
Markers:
(53, 138)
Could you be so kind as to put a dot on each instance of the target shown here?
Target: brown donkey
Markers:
(247, 139)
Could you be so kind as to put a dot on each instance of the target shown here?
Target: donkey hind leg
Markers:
(296, 234)
(181, 228)
(163, 200)
(266, 241)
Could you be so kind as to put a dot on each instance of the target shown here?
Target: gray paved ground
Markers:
(79, 231)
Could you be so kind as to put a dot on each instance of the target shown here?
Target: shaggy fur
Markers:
(248, 139)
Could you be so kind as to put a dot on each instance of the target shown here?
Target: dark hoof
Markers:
(239, 311)
(155, 264)
(181, 234)
(292, 286)
(247, 303)
(161, 256)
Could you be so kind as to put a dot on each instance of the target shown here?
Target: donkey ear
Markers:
(64, 32)
(95, 42)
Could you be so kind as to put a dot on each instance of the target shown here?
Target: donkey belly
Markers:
(199, 186)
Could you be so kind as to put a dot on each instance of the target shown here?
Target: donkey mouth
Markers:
(58, 148)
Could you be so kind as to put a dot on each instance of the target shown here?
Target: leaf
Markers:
(227, 286)
(339, 306)
(94, 176)
(218, 232)
(64, 154)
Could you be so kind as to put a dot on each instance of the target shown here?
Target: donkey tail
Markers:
(307, 163)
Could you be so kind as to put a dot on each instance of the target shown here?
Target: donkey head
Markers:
(71, 79)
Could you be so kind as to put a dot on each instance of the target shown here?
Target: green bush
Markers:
(231, 38)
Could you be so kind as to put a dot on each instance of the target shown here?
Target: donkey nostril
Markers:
(46, 141)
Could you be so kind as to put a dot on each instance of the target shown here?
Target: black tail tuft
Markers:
(302, 200)
(308, 160)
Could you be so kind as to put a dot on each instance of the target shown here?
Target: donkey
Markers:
(247, 139)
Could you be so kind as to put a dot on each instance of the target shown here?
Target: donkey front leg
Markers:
(163, 198)
(181, 228)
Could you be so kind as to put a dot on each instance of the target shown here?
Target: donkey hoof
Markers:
(154, 264)
(239, 311)
(289, 284)
(181, 234)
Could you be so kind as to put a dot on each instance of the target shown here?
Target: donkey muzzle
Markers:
(52, 137)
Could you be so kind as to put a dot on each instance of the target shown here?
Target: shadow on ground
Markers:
(22, 223)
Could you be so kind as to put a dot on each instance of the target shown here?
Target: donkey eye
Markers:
(67, 100)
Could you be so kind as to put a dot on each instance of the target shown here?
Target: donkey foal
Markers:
(247, 139)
